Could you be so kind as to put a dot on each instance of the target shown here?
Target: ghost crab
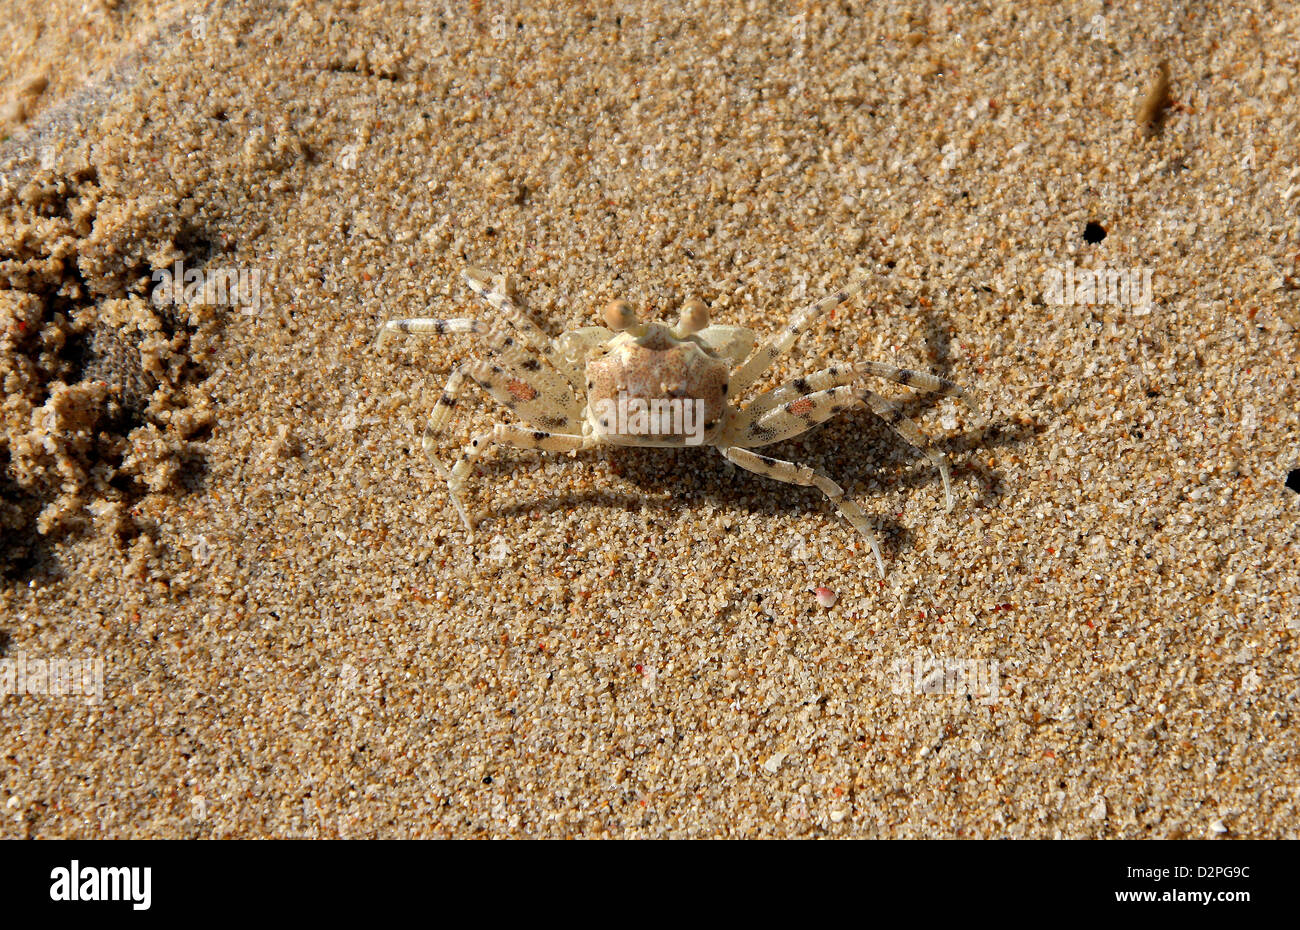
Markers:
(633, 383)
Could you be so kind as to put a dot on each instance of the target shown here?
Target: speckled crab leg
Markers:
(912, 378)
(529, 331)
(794, 417)
(520, 362)
(532, 396)
(844, 374)
(806, 476)
(801, 404)
(831, 377)
(803, 413)
(744, 376)
(505, 435)
(428, 326)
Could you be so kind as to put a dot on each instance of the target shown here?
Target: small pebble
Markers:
(826, 597)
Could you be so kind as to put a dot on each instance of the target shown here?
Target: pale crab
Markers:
(581, 390)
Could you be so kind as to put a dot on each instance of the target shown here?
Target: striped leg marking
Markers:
(805, 476)
(778, 345)
(427, 326)
(449, 398)
(505, 435)
(919, 379)
(531, 333)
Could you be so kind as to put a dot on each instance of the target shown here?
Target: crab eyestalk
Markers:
(695, 317)
(619, 315)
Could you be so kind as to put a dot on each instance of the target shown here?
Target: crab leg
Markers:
(427, 326)
(778, 345)
(449, 398)
(805, 412)
(506, 435)
(534, 396)
(907, 376)
(844, 374)
(793, 417)
(831, 377)
(532, 334)
(798, 405)
(805, 476)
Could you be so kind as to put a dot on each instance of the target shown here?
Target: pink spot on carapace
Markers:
(521, 390)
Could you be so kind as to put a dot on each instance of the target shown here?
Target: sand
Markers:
(225, 500)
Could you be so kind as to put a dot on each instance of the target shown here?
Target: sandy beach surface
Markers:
(237, 601)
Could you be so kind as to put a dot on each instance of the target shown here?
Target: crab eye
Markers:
(619, 315)
(695, 316)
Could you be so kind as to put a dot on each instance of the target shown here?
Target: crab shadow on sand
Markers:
(680, 480)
